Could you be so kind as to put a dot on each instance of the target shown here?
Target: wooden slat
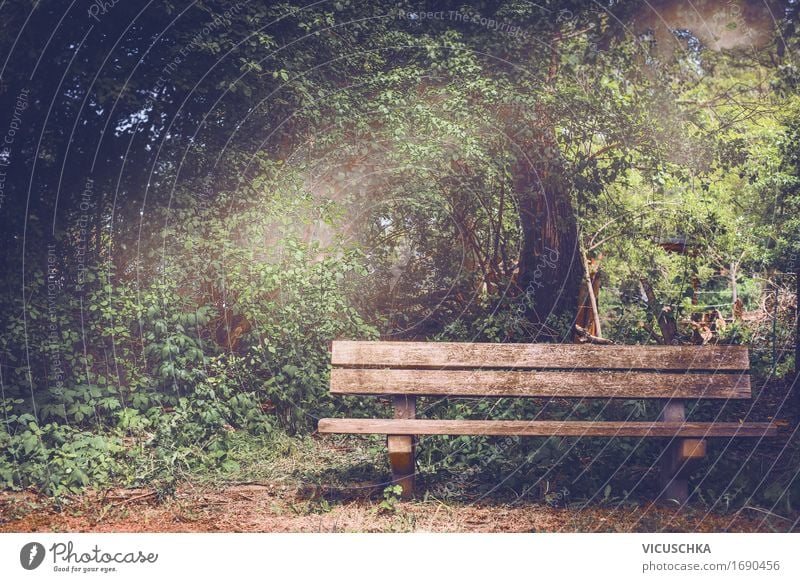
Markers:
(441, 355)
(547, 428)
(470, 383)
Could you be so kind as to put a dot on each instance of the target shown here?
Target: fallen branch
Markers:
(587, 338)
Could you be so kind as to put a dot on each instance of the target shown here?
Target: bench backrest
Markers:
(539, 370)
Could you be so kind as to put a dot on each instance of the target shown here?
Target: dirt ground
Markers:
(269, 507)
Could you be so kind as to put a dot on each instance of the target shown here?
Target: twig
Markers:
(764, 511)
(136, 498)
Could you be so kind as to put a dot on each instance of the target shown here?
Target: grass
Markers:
(283, 483)
(299, 461)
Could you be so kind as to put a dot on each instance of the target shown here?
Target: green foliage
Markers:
(391, 498)
(300, 209)
(54, 458)
(300, 308)
(196, 433)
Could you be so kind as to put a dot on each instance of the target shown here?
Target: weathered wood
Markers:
(673, 478)
(574, 428)
(401, 447)
(691, 449)
(677, 373)
(444, 355)
(539, 384)
(401, 460)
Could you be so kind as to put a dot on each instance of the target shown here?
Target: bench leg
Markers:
(679, 459)
(401, 448)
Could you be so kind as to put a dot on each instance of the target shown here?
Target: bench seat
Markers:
(565, 428)
(673, 375)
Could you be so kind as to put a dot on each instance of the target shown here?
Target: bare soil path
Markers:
(276, 508)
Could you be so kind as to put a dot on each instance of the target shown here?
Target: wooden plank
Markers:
(440, 355)
(547, 428)
(401, 447)
(474, 383)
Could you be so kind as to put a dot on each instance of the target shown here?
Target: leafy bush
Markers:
(156, 362)
(299, 308)
(54, 458)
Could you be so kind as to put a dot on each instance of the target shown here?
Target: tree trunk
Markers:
(666, 321)
(550, 266)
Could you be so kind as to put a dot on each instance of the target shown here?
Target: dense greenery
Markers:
(201, 196)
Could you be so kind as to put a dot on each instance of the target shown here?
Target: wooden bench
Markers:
(673, 374)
